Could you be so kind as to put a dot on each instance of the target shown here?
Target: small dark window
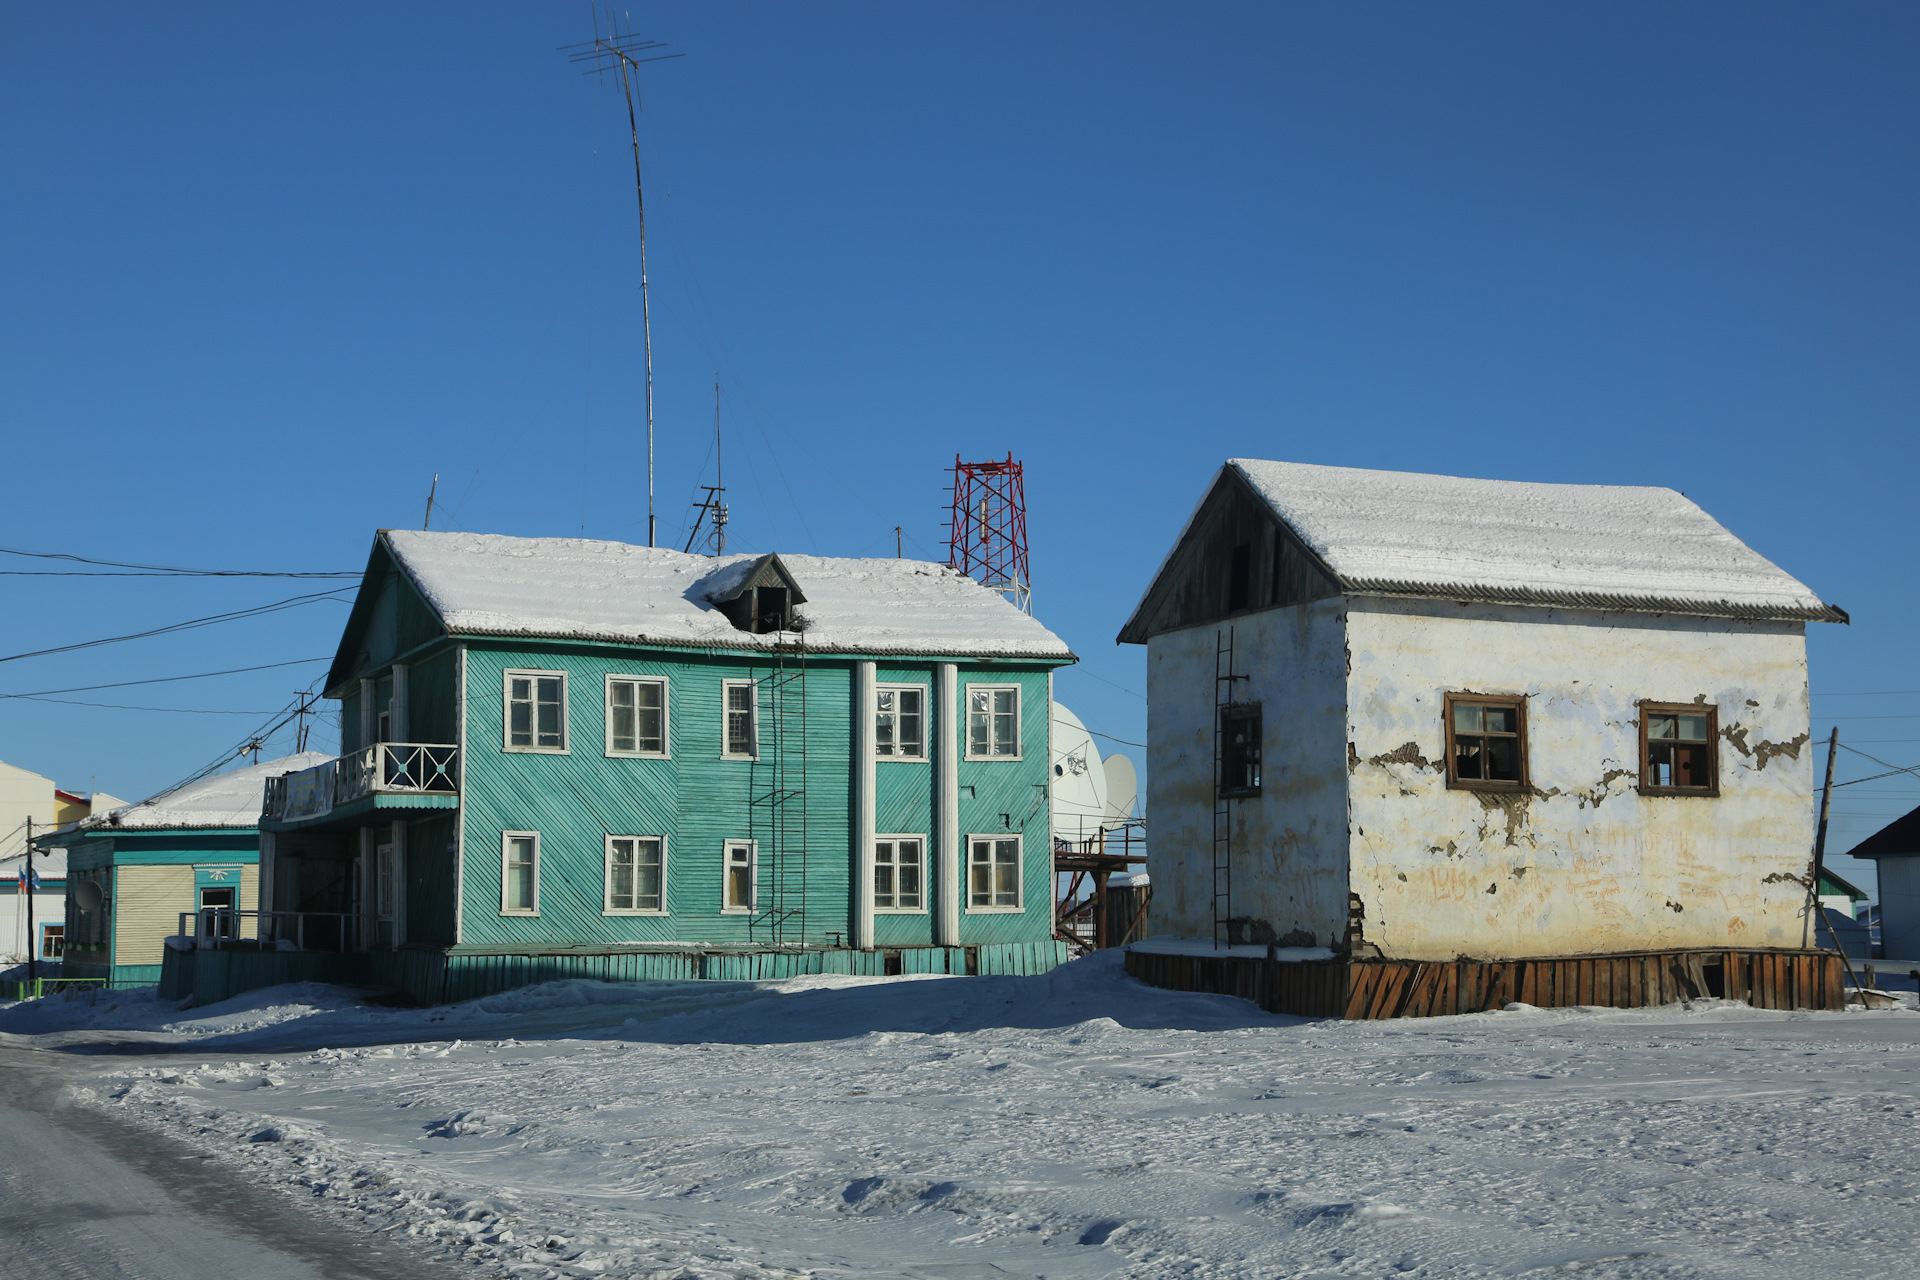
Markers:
(770, 609)
(1486, 742)
(1240, 750)
(1240, 578)
(1677, 756)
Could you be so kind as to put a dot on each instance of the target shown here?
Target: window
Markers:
(993, 881)
(636, 878)
(739, 872)
(1240, 749)
(1486, 742)
(742, 733)
(896, 873)
(1240, 578)
(1677, 755)
(536, 711)
(53, 941)
(520, 873)
(636, 717)
(993, 722)
(899, 722)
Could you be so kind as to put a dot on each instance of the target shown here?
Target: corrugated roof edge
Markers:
(745, 644)
(1592, 600)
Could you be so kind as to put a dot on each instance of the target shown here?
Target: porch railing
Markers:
(406, 768)
(214, 928)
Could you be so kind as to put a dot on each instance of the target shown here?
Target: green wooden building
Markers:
(569, 757)
(133, 871)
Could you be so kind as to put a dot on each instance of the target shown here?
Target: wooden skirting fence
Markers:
(1361, 989)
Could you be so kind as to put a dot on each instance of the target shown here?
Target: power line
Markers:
(115, 706)
(128, 684)
(151, 569)
(292, 603)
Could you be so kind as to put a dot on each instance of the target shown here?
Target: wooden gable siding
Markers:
(389, 620)
(1193, 587)
(698, 801)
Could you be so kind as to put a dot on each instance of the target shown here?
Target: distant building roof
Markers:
(1598, 546)
(1833, 885)
(576, 588)
(1899, 838)
(229, 799)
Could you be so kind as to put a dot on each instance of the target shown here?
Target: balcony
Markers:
(400, 769)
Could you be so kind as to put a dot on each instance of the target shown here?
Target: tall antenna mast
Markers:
(617, 52)
(987, 527)
(715, 503)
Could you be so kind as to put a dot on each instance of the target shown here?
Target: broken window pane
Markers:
(1486, 742)
(1679, 751)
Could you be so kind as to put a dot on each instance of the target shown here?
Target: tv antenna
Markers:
(715, 503)
(623, 53)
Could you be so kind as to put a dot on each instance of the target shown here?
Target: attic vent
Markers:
(763, 599)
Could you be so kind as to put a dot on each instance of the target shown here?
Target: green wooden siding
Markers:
(699, 801)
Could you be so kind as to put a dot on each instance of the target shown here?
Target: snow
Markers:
(1406, 533)
(1077, 1124)
(230, 799)
(491, 584)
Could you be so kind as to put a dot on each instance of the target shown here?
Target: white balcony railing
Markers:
(405, 768)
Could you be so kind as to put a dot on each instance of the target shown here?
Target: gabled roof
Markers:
(744, 575)
(1401, 533)
(1835, 885)
(230, 799)
(1898, 838)
(581, 589)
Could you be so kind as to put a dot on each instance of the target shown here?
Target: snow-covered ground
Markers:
(1077, 1124)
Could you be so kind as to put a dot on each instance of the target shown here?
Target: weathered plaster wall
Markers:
(1289, 866)
(1581, 862)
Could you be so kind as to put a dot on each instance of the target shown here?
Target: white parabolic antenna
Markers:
(1079, 781)
(1123, 788)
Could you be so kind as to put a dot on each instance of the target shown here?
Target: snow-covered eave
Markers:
(1471, 593)
(748, 643)
(95, 828)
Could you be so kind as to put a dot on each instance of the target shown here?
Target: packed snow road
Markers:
(1074, 1125)
(84, 1195)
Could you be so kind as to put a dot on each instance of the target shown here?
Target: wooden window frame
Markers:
(1018, 725)
(753, 876)
(666, 723)
(606, 892)
(1518, 701)
(1019, 873)
(507, 678)
(506, 847)
(873, 889)
(1241, 711)
(1712, 713)
(727, 684)
(926, 703)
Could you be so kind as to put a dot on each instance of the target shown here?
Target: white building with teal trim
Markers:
(565, 757)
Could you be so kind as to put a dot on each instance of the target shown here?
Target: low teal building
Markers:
(133, 872)
(569, 757)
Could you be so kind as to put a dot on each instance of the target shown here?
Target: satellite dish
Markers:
(1123, 788)
(87, 895)
(1077, 782)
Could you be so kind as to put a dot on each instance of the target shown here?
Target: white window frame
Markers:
(873, 892)
(1019, 873)
(507, 678)
(666, 723)
(753, 875)
(967, 725)
(926, 706)
(606, 891)
(726, 685)
(506, 848)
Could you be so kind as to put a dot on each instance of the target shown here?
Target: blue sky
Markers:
(269, 269)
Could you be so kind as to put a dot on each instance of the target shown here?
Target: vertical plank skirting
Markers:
(1374, 989)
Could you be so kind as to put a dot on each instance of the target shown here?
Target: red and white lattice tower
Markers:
(987, 530)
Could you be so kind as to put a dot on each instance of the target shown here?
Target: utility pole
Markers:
(616, 53)
(435, 488)
(898, 552)
(26, 884)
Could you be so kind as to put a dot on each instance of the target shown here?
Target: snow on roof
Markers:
(491, 584)
(1403, 533)
(229, 799)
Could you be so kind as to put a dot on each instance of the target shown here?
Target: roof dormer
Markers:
(763, 599)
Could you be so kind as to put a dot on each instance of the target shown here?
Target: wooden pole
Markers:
(1820, 860)
(26, 885)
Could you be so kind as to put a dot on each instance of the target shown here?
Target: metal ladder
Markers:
(1223, 687)
(782, 914)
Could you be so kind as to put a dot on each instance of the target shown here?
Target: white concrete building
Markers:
(1418, 717)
